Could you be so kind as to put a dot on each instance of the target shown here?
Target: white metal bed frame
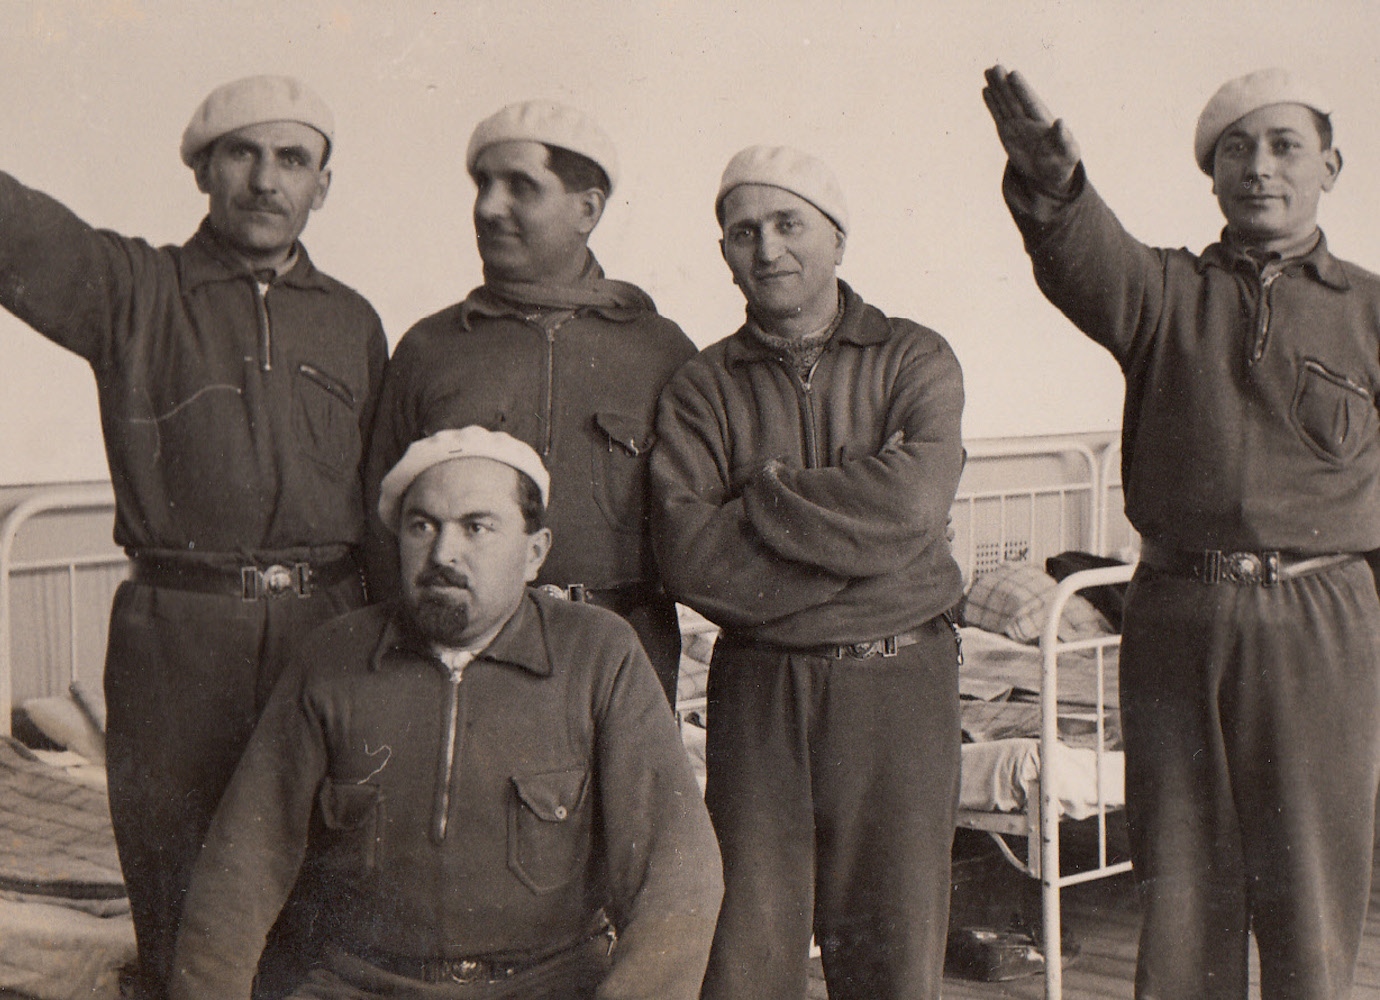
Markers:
(1039, 822)
(41, 502)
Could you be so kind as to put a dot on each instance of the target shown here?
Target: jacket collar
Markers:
(521, 642)
(861, 325)
(1317, 262)
(593, 293)
(207, 259)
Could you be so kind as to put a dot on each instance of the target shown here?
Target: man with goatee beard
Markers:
(485, 777)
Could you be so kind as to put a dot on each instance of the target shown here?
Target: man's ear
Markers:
(323, 185)
(841, 240)
(1332, 160)
(592, 203)
(538, 545)
(201, 170)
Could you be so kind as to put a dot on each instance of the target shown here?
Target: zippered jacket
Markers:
(234, 420)
(581, 391)
(496, 811)
(807, 512)
(1250, 416)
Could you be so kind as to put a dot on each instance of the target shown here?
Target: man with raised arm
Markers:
(485, 778)
(236, 385)
(803, 475)
(550, 351)
(1250, 664)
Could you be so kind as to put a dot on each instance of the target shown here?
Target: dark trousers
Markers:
(832, 785)
(1251, 718)
(186, 676)
(659, 631)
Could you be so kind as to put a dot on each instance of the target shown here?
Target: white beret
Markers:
(1239, 97)
(443, 446)
(550, 123)
(789, 169)
(252, 101)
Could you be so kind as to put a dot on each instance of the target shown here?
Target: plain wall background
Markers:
(97, 92)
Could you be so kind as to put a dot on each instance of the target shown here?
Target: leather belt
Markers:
(247, 582)
(885, 648)
(477, 969)
(620, 599)
(1259, 568)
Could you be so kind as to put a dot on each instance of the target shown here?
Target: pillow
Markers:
(63, 723)
(1013, 600)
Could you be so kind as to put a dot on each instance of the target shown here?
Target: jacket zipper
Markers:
(1262, 317)
(440, 816)
(550, 336)
(807, 399)
(265, 330)
(338, 390)
(1341, 381)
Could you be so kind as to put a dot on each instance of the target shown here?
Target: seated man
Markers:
(484, 776)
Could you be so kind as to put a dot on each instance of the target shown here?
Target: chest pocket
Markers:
(325, 419)
(549, 827)
(618, 471)
(1333, 415)
(347, 827)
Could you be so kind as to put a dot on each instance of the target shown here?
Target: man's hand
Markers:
(1040, 148)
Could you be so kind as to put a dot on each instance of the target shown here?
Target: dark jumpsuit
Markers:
(580, 386)
(1251, 712)
(234, 423)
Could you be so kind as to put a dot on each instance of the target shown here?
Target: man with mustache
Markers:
(484, 775)
(554, 353)
(1250, 693)
(803, 475)
(236, 383)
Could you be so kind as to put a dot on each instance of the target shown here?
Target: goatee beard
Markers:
(440, 622)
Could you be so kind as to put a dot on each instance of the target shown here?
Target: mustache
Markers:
(263, 205)
(441, 576)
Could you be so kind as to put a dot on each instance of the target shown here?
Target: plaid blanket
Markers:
(55, 835)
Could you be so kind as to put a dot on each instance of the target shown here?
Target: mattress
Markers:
(999, 685)
(65, 929)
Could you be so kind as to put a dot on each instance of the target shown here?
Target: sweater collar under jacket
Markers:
(616, 301)
(860, 325)
(520, 642)
(208, 259)
(1317, 262)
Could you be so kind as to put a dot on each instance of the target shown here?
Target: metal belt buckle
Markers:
(1245, 568)
(575, 592)
(866, 650)
(277, 580)
(465, 970)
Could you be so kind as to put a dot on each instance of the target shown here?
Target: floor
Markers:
(1103, 919)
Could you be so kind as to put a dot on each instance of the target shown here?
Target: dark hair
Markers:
(1323, 123)
(529, 502)
(576, 171)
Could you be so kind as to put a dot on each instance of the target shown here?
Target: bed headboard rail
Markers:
(1025, 499)
(73, 566)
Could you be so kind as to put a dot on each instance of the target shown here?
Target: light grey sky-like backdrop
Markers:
(96, 94)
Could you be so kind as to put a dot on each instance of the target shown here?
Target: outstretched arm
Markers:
(1040, 147)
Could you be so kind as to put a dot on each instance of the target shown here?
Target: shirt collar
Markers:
(860, 325)
(1317, 262)
(208, 259)
(521, 642)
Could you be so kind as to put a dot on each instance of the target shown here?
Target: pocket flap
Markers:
(347, 806)
(554, 795)
(634, 435)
